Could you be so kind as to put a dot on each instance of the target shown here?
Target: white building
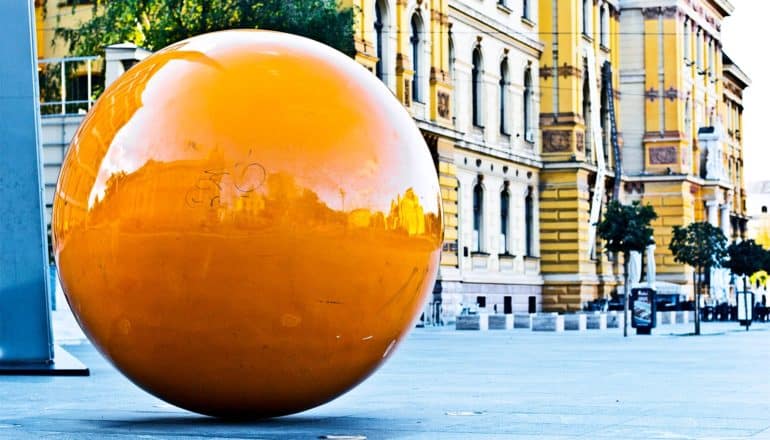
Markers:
(494, 52)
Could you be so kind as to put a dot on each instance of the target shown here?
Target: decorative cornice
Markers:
(652, 13)
(651, 94)
(670, 11)
(634, 187)
(672, 94)
(566, 71)
(614, 13)
(665, 136)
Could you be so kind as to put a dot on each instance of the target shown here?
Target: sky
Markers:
(745, 41)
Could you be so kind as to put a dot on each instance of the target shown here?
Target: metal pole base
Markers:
(64, 364)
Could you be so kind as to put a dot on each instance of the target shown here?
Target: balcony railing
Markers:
(69, 85)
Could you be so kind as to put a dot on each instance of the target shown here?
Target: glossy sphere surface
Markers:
(247, 224)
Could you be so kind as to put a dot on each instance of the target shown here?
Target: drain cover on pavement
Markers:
(464, 413)
(343, 437)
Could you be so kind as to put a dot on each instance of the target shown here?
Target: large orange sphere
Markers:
(247, 223)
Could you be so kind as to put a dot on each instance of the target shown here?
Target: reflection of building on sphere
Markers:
(239, 236)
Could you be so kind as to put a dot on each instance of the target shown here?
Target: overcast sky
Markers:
(746, 40)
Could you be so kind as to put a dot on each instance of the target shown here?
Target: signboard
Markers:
(745, 302)
(643, 310)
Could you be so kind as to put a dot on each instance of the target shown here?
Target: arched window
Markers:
(529, 222)
(699, 49)
(604, 122)
(452, 76)
(417, 58)
(504, 82)
(529, 133)
(477, 74)
(478, 216)
(451, 57)
(604, 26)
(380, 24)
(587, 16)
(687, 42)
(505, 202)
(587, 117)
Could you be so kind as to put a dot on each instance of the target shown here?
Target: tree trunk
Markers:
(625, 294)
(697, 302)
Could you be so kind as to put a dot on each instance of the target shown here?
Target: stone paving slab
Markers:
(459, 385)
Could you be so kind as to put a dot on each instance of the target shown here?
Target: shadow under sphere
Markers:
(247, 223)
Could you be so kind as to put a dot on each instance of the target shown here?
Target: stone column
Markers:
(725, 211)
(651, 270)
(121, 57)
(711, 212)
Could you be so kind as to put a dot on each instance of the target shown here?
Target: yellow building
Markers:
(52, 14)
(681, 109)
(579, 37)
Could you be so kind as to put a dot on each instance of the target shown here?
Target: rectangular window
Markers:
(587, 17)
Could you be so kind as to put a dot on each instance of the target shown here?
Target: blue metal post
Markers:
(26, 342)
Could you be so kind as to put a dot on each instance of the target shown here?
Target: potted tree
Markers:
(702, 246)
(626, 228)
(745, 259)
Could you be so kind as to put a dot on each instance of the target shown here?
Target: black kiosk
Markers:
(642, 306)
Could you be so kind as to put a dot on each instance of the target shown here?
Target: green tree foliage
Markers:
(702, 246)
(154, 24)
(745, 259)
(626, 228)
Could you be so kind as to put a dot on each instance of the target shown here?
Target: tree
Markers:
(154, 24)
(626, 228)
(745, 259)
(701, 246)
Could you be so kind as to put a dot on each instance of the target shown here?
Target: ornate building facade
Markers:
(517, 111)
(580, 36)
(682, 114)
(468, 72)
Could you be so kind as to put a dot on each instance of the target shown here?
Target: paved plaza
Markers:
(450, 384)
